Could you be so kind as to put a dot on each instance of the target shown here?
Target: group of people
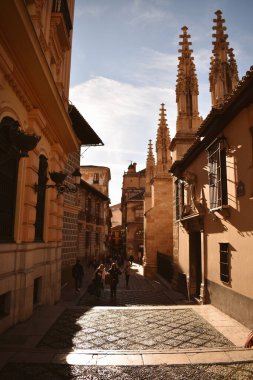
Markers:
(103, 275)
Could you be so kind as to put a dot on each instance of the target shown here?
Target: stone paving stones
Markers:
(127, 298)
(24, 371)
(132, 329)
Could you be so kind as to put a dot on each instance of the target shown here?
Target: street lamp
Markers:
(17, 141)
(58, 178)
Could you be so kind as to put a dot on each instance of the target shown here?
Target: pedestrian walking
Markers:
(131, 259)
(114, 273)
(127, 271)
(77, 274)
(139, 256)
(99, 276)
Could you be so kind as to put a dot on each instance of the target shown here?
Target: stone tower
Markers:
(188, 119)
(223, 69)
(158, 200)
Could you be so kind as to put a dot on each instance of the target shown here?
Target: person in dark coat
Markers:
(114, 273)
(78, 273)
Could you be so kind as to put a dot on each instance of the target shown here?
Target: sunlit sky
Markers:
(124, 65)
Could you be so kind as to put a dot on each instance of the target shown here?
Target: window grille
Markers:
(182, 199)
(224, 262)
(217, 175)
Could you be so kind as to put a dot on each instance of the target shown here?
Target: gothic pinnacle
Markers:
(223, 68)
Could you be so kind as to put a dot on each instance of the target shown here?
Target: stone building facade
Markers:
(158, 220)
(94, 224)
(132, 208)
(97, 176)
(213, 187)
(73, 201)
(116, 242)
(116, 215)
(35, 53)
(188, 119)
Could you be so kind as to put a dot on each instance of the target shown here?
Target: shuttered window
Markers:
(217, 175)
(178, 198)
(224, 262)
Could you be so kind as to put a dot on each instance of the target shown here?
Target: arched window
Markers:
(41, 196)
(9, 159)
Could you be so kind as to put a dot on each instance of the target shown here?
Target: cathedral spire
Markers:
(162, 144)
(150, 157)
(223, 69)
(188, 119)
(150, 167)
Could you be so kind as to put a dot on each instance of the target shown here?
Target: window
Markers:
(95, 178)
(37, 285)
(217, 175)
(224, 262)
(139, 213)
(5, 302)
(41, 197)
(180, 201)
(97, 213)
(8, 182)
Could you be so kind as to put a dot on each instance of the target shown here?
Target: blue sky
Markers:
(124, 65)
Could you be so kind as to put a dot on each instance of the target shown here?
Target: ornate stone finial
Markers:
(163, 143)
(223, 68)
(186, 87)
(150, 155)
(150, 166)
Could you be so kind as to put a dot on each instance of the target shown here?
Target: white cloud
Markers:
(125, 117)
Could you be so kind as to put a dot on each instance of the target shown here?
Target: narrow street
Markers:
(148, 332)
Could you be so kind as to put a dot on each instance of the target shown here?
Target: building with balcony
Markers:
(35, 53)
(94, 224)
(214, 191)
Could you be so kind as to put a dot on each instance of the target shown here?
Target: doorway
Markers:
(195, 264)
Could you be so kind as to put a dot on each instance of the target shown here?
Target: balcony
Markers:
(61, 6)
(61, 24)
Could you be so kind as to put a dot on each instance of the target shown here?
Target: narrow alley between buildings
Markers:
(148, 332)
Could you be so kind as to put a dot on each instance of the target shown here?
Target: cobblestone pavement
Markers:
(236, 371)
(141, 291)
(123, 329)
(127, 298)
(128, 339)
